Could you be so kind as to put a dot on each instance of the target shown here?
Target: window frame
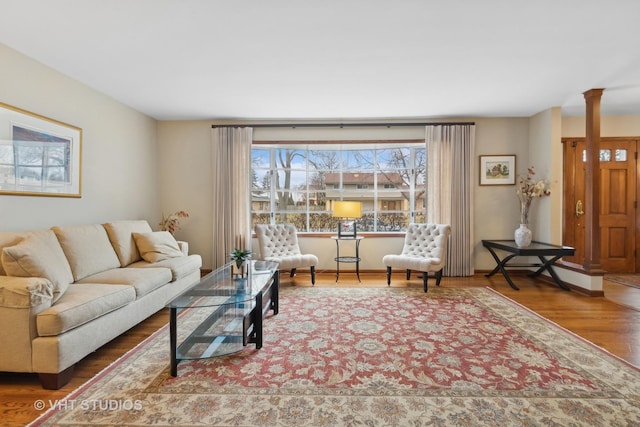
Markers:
(416, 191)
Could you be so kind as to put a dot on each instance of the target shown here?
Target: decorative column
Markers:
(592, 183)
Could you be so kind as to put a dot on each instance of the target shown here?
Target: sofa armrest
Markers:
(184, 247)
(22, 292)
(21, 299)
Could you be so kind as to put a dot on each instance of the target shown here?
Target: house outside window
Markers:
(299, 182)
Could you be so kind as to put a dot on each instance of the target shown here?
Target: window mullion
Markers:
(412, 184)
(376, 171)
(272, 186)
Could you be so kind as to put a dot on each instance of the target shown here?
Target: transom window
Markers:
(299, 182)
(619, 155)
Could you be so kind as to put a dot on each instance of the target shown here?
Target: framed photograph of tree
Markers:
(498, 170)
(38, 156)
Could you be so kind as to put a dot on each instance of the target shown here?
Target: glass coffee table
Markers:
(232, 309)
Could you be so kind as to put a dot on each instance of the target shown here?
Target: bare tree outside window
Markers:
(298, 183)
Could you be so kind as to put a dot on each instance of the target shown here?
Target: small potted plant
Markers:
(240, 257)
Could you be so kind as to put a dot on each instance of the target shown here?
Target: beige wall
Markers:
(609, 126)
(135, 167)
(497, 209)
(184, 149)
(185, 155)
(545, 154)
(119, 165)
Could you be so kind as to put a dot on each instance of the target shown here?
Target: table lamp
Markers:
(349, 212)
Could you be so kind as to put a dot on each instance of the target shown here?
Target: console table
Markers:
(352, 259)
(233, 309)
(545, 252)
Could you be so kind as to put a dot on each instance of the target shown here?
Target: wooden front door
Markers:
(617, 202)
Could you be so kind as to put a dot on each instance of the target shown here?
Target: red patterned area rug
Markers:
(372, 357)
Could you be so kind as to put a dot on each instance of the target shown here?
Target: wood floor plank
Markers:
(611, 323)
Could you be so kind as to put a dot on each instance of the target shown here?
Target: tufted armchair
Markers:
(425, 249)
(279, 243)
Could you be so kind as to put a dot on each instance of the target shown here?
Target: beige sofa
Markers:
(66, 291)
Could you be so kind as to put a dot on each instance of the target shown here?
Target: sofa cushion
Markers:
(21, 292)
(81, 304)
(157, 246)
(87, 248)
(120, 235)
(143, 281)
(179, 266)
(39, 255)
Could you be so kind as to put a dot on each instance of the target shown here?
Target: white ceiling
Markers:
(338, 59)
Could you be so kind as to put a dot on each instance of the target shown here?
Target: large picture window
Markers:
(299, 182)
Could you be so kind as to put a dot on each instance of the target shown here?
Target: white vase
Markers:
(522, 236)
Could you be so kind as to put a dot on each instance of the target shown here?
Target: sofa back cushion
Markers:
(9, 238)
(39, 255)
(87, 248)
(121, 236)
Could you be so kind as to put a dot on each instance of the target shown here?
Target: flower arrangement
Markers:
(528, 189)
(240, 256)
(171, 223)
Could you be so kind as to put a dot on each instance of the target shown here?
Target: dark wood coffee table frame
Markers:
(547, 253)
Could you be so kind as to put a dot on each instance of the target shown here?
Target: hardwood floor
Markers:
(612, 322)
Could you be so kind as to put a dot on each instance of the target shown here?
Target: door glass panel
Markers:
(605, 155)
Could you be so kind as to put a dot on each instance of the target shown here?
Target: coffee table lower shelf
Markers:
(230, 325)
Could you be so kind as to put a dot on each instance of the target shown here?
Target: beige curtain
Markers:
(450, 172)
(231, 160)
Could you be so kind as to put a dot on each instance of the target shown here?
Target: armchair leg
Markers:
(313, 275)
(292, 273)
(425, 279)
(388, 276)
(438, 277)
(408, 274)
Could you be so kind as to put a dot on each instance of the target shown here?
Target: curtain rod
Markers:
(341, 125)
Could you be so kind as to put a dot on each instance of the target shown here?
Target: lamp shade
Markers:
(345, 209)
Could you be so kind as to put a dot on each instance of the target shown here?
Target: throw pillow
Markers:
(157, 246)
(39, 255)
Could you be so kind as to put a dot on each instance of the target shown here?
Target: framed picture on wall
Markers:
(498, 170)
(347, 229)
(38, 156)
